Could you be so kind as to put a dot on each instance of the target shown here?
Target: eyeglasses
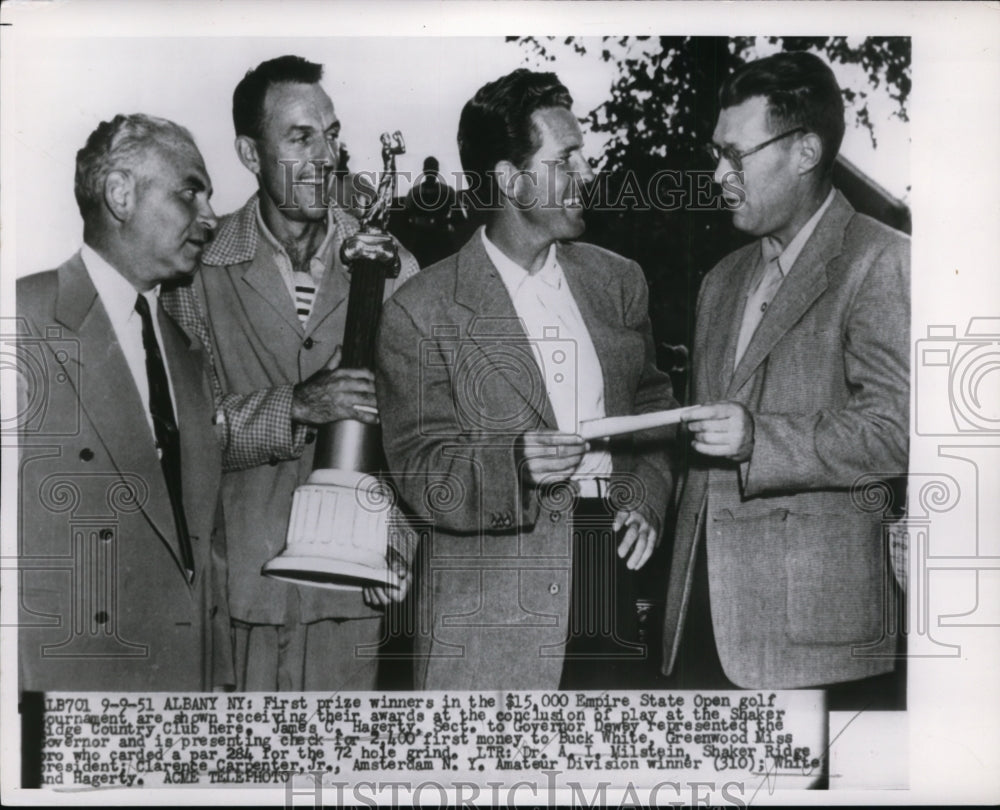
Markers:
(735, 159)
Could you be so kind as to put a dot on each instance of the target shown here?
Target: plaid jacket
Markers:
(255, 428)
(239, 307)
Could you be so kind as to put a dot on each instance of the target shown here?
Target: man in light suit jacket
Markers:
(121, 552)
(487, 363)
(801, 362)
(270, 304)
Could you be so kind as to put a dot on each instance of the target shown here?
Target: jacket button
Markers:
(86, 454)
(107, 535)
(310, 436)
(101, 617)
(308, 343)
(555, 517)
(273, 462)
(554, 588)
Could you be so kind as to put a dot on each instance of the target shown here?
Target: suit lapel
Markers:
(263, 287)
(720, 354)
(109, 397)
(198, 441)
(806, 281)
(480, 289)
(333, 291)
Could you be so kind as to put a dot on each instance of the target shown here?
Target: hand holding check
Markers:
(721, 429)
(551, 456)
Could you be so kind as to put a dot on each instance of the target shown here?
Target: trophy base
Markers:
(338, 533)
(322, 572)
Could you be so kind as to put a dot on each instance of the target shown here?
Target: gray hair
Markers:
(120, 144)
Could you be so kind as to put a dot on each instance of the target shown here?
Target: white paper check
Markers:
(619, 425)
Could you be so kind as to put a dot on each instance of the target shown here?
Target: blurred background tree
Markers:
(659, 115)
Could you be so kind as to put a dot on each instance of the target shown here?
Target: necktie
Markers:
(759, 299)
(165, 429)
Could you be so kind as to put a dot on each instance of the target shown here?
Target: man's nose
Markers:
(584, 173)
(719, 174)
(724, 169)
(326, 151)
(207, 217)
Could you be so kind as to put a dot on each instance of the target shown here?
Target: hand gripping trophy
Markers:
(338, 533)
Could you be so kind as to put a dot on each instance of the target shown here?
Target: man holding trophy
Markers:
(271, 306)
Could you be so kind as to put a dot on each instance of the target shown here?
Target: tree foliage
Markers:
(663, 97)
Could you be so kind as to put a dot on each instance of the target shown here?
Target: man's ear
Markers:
(119, 194)
(515, 184)
(246, 150)
(810, 152)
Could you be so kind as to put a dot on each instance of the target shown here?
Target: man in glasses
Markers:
(801, 367)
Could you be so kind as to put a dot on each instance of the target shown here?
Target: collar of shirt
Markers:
(116, 292)
(514, 276)
(319, 260)
(543, 301)
(786, 258)
(118, 298)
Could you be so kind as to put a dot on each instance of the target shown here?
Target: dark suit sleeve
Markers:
(651, 451)
(831, 448)
(464, 480)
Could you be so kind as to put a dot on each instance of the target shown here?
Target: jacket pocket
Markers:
(835, 574)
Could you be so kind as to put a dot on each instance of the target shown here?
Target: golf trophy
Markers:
(338, 532)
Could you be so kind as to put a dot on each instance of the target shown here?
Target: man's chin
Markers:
(740, 221)
(305, 213)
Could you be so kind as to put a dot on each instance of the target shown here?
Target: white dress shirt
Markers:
(118, 297)
(563, 350)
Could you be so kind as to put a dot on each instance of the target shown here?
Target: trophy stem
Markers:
(349, 444)
(364, 306)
